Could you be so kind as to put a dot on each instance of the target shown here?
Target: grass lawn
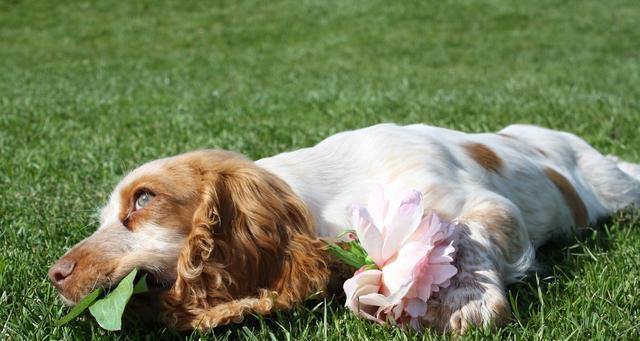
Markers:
(89, 90)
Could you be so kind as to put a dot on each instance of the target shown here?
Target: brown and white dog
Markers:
(222, 236)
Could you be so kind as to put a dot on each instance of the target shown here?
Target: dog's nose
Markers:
(61, 270)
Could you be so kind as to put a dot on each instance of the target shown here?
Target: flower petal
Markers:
(368, 234)
(442, 254)
(372, 276)
(353, 286)
(425, 287)
(416, 307)
(402, 224)
(430, 229)
(441, 272)
(406, 268)
(397, 310)
(375, 299)
(434, 278)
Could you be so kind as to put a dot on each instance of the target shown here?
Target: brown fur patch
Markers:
(484, 156)
(251, 248)
(502, 227)
(571, 197)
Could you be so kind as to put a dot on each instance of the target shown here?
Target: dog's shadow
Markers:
(559, 263)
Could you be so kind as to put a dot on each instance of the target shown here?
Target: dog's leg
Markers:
(492, 246)
(616, 182)
(632, 169)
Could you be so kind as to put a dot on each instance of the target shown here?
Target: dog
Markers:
(221, 236)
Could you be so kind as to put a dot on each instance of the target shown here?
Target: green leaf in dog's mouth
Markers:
(108, 310)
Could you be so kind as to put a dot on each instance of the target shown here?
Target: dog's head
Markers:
(217, 235)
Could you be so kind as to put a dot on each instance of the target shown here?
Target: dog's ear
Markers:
(252, 248)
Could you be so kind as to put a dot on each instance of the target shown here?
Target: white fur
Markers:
(342, 169)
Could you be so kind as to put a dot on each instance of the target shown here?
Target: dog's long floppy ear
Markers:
(251, 249)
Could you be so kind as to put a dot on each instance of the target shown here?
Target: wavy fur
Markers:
(251, 249)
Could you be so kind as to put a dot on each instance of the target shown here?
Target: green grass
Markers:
(90, 90)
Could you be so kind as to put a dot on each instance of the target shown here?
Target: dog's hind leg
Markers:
(492, 249)
(615, 182)
(632, 169)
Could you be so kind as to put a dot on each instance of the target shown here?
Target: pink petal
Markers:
(402, 224)
(430, 229)
(397, 310)
(441, 272)
(442, 254)
(361, 285)
(368, 234)
(393, 312)
(375, 299)
(359, 280)
(416, 307)
(406, 271)
(369, 312)
(364, 291)
(401, 272)
(373, 276)
(424, 287)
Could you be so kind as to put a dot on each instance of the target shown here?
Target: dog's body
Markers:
(452, 169)
(511, 191)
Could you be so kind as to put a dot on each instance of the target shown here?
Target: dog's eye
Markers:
(143, 199)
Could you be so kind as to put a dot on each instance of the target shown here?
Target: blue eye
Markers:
(143, 199)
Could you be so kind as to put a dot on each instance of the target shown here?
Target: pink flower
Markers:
(412, 253)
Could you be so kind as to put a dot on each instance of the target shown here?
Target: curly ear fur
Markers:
(251, 249)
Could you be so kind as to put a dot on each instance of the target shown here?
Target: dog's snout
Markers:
(61, 270)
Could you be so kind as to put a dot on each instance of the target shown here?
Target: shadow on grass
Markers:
(280, 325)
(559, 262)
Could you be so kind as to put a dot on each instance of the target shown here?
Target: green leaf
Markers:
(108, 310)
(347, 257)
(358, 250)
(80, 307)
(141, 286)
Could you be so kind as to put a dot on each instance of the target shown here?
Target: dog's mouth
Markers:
(155, 283)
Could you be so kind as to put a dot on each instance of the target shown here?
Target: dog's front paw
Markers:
(466, 304)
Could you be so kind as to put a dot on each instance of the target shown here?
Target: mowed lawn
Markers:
(91, 89)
